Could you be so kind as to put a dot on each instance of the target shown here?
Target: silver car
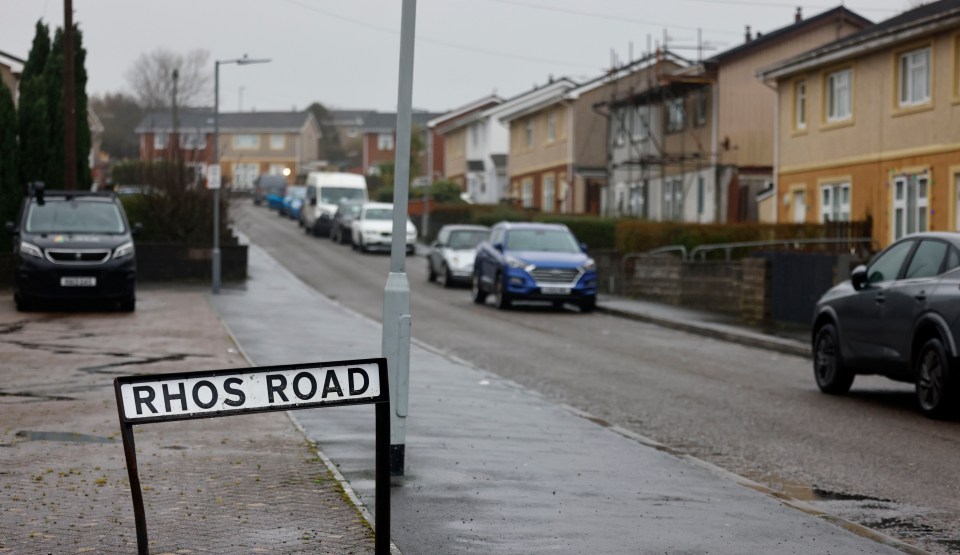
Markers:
(451, 256)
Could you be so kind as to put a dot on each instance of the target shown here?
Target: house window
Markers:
(700, 108)
(551, 127)
(160, 139)
(528, 134)
(838, 95)
(193, 141)
(353, 132)
(910, 204)
(246, 141)
(675, 115)
(672, 199)
(835, 202)
(278, 142)
(640, 123)
(549, 196)
(800, 103)
(915, 77)
(385, 141)
(244, 175)
(527, 193)
(638, 199)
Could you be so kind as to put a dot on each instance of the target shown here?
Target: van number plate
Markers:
(555, 290)
(78, 282)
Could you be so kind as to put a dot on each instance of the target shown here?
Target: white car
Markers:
(373, 228)
(451, 255)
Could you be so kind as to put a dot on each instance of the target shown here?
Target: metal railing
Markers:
(702, 250)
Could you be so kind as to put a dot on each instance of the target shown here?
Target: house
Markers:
(745, 133)
(251, 143)
(436, 139)
(379, 140)
(10, 69)
(539, 131)
(695, 142)
(869, 126)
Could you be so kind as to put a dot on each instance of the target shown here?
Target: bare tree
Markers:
(151, 78)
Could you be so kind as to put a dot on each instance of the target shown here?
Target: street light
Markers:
(216, 159)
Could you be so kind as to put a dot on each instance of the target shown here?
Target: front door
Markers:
(799, 207)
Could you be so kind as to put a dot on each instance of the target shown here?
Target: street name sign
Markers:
(213, 176)
(145, 399)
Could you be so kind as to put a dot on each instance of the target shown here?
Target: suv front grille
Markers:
(78, 256)
(555, 275)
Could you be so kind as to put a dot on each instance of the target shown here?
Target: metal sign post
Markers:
(214, 393)
(396, 295)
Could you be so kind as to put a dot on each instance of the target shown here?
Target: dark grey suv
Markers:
(73, 245)
(898, 317)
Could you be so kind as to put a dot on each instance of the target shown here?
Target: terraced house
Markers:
(869, 126)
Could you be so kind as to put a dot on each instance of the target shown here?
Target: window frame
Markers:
(800, 105)
(676, 115)
(551, 126)
(161, 140)
(528, 133)
(905, 82)
(273, 141)
(832, 96)
(828, 200)
(700, 108)
(526, 192)
(549, 184)
(384, 142)
(237, 142)
(640, 122)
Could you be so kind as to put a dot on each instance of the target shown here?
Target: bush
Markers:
(173, 209)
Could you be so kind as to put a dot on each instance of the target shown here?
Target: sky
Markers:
(345, 53)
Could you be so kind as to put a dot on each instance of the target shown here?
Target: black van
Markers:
(73, 245)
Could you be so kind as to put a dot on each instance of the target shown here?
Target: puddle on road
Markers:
(70, 437)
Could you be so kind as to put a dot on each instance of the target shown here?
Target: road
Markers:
(868, 457)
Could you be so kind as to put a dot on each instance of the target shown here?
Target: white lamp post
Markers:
(216, 160)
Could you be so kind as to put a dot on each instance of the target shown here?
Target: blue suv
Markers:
(534, 261)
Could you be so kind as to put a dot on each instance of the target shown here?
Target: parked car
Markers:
(372, 229)
(898, 317)
(266, 185)
(70, 245)
(293, 201)
(452, 254)
(534, 261)
(343, 220)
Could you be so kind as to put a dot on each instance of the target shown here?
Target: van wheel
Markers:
(23, 302)
(129, 303)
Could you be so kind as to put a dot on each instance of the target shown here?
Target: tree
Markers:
(54, 86)
(151, 78)
(33, 116)
(10, 189)
(330, 148)
(120, 114)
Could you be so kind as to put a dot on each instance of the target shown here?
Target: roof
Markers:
(202, 119)
(383, 122)
(349, 117)
(12, 58)
(478, 104)
(921, 21)
(763, 41)
(625, 70)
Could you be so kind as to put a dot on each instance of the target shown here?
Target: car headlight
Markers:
(514, 262)
(30, 250)
(590, 264)
(125, 249)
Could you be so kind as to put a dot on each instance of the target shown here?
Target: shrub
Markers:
(173, 209)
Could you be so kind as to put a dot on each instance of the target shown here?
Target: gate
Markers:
(797, 282)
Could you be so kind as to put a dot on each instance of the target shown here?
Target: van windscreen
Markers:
(336, 195)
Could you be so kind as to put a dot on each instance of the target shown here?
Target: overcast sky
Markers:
(345, 53)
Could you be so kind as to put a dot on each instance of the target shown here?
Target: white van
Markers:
(325, 190)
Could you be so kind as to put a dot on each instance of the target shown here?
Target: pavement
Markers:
(491, 467)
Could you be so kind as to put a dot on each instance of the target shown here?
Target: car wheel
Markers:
(444, 277)
(479, 295)
(23, 302)
(832, 375)
(362, 247)
(588, 305)
(500, 296)
(128, 303)
(333, 236)
(936, 391)
(431, 275)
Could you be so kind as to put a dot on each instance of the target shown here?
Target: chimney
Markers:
(747, 35)
(799, 16)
